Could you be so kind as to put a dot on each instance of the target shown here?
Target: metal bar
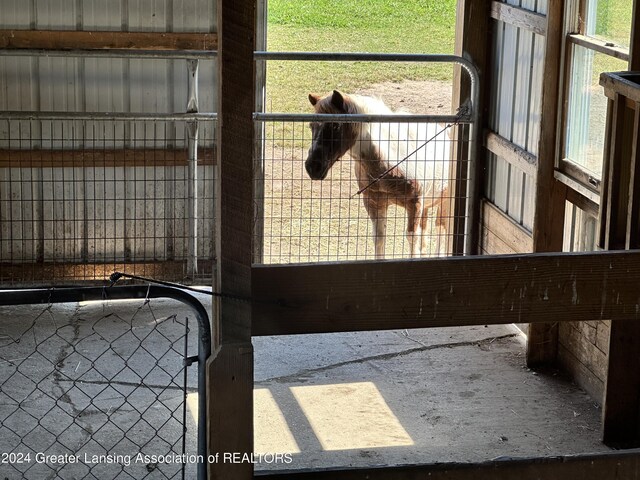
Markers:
(360, 117)
(112, 53)
(47, 296)
(192, 98)
(185, 365)
(192, 200)
(33, 115)
(363, 57)
(192, 174)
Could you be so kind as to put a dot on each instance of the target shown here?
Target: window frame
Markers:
(581, 182)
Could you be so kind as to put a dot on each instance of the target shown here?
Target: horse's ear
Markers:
(337, 100)
(313, 99)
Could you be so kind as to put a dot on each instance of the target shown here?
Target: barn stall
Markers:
(545, 188)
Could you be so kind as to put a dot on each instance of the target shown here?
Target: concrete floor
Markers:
(331, 400)
(402, 397)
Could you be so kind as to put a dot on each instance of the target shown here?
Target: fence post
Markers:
(192, 178)
(230, 403)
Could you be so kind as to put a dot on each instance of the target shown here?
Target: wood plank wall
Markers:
(583, 347)
(511, 140)
(521, 138)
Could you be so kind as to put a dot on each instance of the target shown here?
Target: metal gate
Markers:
(299, 220)
(95, 383)
(83, 194)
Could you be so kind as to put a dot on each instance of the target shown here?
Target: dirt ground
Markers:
(414, 96)
(307, 221)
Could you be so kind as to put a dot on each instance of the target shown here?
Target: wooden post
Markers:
(472, 42)
(550, 195)
(230, 374)
(618, 222)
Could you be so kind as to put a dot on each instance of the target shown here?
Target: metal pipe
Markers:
(48, 296)
(359, 117)
(192, 199)
(192, 178)
(192, 98)
(112, 53)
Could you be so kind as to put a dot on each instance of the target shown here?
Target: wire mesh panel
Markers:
(395, 183)
(98, 390)
(80, 198)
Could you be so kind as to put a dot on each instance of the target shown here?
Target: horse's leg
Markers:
(442, 223)
(377, 210)
(424, 220)
(414, 209)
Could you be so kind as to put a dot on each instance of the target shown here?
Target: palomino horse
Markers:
(419, 183)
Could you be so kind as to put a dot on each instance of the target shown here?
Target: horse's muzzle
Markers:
(315, 169)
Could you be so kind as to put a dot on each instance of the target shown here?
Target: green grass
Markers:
(613, 20)
(406, 26)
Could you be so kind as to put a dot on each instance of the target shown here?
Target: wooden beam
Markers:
(621, 412)
(550, 195)
(519, 17)
(538, 288)
(634, 49)
(123, 157)
(617, 178)
(633, 214)
(472, 42)
(230, 372)
(512, 153)
(51, 272)
(82, 40)
(582, 202)
(514, 236)
(604, 466)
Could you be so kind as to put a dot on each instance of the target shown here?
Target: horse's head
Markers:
(331, 140)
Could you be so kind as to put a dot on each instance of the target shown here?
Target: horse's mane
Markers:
(395, 141)
(367, 105)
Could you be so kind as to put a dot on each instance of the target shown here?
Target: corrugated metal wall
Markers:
(105, 84)
(102, 213)
(515, 111)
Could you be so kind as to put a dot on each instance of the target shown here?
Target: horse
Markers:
(419, 183)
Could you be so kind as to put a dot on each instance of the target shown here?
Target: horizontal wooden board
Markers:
(132, 157)
(512, 153)
(519, 17)
(448, 292)
(82, 40)
(605, 466)
(581, 374)
(602, 336)
(33, 273)
(585, 351)
(497, 225)
(492, 244)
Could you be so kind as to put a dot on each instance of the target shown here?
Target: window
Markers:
(598, 42)
(598, 39)
(587, 108)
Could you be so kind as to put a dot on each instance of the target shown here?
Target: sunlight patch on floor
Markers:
(271, 434)
(350, 416)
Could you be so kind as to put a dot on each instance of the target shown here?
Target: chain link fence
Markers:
(96, 383)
